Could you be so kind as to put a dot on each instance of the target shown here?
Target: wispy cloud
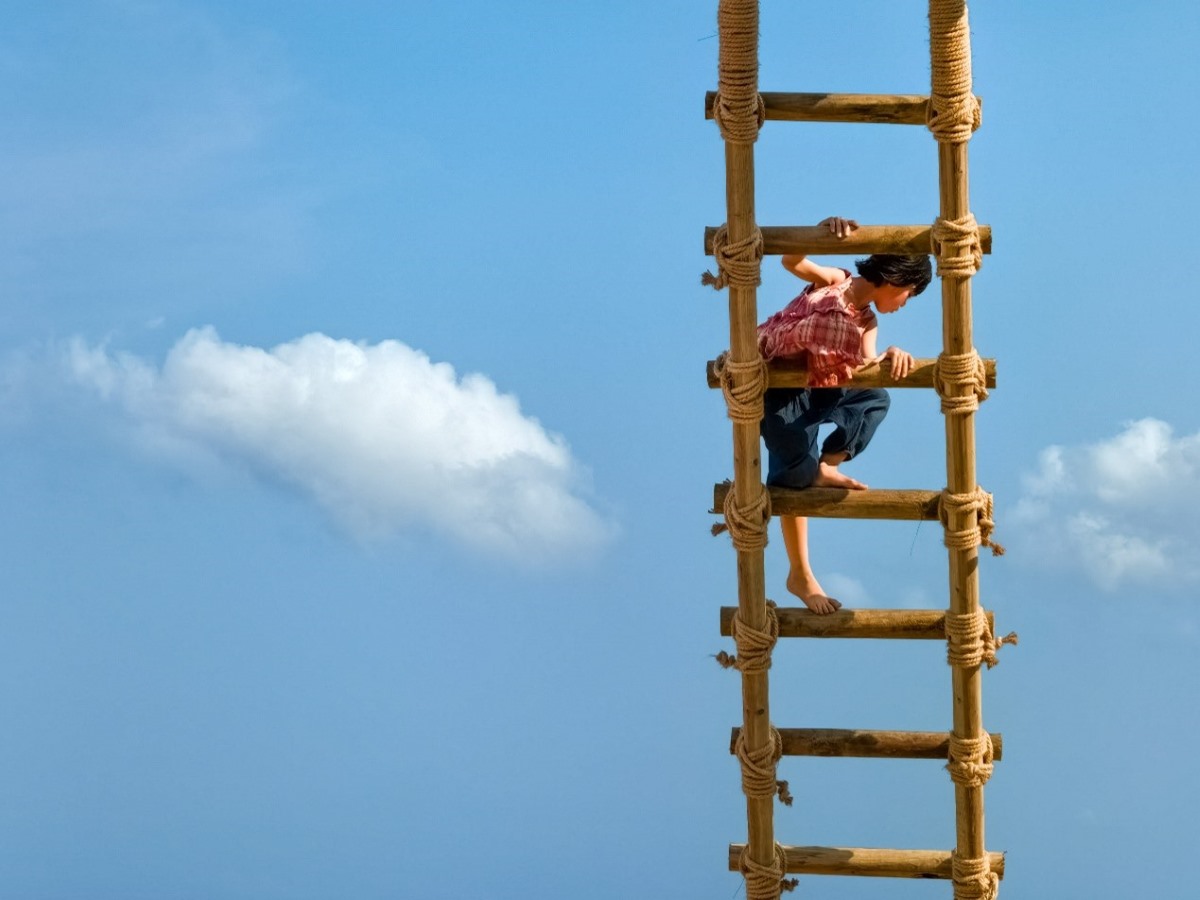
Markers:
(1122, 510)
(846, 588)
(138, 179)
(379, 435)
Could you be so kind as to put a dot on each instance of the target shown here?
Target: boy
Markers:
(831, 324)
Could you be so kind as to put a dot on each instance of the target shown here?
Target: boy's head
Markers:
(912, 272)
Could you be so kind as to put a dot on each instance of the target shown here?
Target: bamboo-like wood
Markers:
(808, 239)
(840, 503)
(867, 861)
(896, 624)
(967, 684)
(864, 744)
(793, 373)
(883, 109)
(743, 347)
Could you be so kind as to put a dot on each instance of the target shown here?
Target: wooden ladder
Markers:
(974, 871)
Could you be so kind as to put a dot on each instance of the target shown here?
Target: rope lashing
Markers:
(973, 878)
(738, 110)
(980, 502)
(958, 370)
(747, 526)
(758, 768)
(954, 112)
(754, 645)
(957, 246)
(738, 264)
(743, 384)
(971, 760)
(766, 882)
(970, 642)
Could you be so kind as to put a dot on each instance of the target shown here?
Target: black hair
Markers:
(913, 272)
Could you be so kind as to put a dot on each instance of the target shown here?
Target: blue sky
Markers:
(357, 451)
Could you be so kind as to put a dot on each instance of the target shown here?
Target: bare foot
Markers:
(831, 476)
(807, 589)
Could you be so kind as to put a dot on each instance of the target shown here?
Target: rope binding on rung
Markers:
(970, 641)
(954, 112)
(971, 760)
(739, 263)
(747, 526)
(738, 110)
(979, 502)
(957, 245)
(754, 645)
(973, 878)
(766, 882)
(743, 385)
(960, 370)
(759, 768)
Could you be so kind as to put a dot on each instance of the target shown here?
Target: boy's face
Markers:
(890, 297)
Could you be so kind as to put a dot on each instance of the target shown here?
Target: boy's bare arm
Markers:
(901, 361)
(822, 276)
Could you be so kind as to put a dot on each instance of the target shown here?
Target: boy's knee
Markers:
(881, 402)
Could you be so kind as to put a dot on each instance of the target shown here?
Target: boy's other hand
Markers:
(900, 362)
(839, 226)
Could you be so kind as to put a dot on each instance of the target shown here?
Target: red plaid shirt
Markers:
(821, 327)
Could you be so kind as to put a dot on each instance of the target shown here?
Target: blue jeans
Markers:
(792, 417)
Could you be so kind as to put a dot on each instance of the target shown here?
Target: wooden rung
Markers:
(793, 373)
(908, 239)
(867, 861)
(840, 503)
(886, 109)
(910, 624)
(867, 744)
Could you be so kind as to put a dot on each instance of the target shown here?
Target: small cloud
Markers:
(919, 598)
(1123, 510)
(849, 590)
(379, 435)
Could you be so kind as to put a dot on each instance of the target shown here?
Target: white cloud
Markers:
(846, 588)
(1124, 510)
(379, 435)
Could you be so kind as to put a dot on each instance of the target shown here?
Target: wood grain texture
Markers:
(867, 744)
(809, 239)
(867, 861)
(887, 624)
(839, 503)
(882, 109)
(793, 373)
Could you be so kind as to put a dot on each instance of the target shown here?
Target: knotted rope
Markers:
(971, 760)
(738, 264)
(980, 534)
(974, 878)
(954, 112)
(970, 642)
(743, 384)
(766, 882)
(738, 110)
(747, 526)
(754, 645)
(758, 768)
(959, 370)
(957, 246)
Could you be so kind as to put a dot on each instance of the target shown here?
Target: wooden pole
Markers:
(794, 373)
(867, 861)
(841, 503)
(743, 347)
(908, 624)
(882, 109)
(911, 239)
(868, 744)
(954, 202)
